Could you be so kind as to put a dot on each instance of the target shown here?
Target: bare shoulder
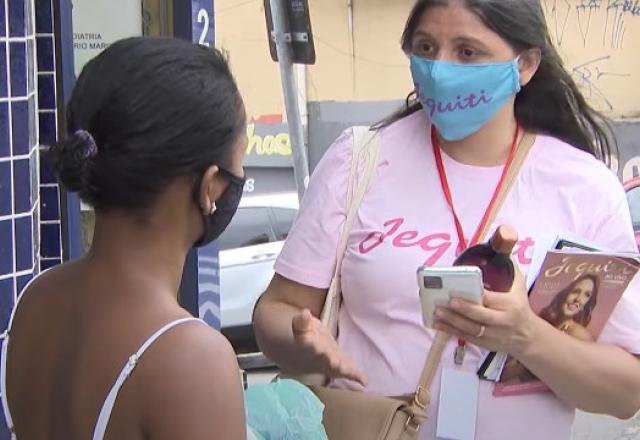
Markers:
(191, 386)
(47, 287)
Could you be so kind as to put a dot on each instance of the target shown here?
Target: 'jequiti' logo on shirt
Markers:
(435, 245)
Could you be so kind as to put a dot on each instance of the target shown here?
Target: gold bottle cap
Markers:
(504, 239)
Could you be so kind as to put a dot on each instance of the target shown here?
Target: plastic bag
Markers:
(284, 410)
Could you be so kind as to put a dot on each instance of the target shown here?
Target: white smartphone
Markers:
(439, 284)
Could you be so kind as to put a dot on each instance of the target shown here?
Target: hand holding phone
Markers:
(438, 285)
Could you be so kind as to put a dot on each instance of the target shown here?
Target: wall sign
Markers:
(202, 21)
(98, 23)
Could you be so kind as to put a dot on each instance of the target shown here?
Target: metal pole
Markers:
(164, 18)
(283, 40)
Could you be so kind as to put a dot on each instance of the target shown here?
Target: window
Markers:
(633, 197)
(283, 220)
(249, 227)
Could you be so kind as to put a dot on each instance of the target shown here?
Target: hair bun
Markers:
(73, 158)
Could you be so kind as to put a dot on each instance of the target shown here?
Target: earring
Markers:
(213, 209)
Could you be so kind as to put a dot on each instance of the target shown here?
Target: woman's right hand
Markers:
(313, 337)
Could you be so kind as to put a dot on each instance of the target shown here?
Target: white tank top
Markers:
(110, 401)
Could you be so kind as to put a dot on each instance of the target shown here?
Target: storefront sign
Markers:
(269, 146)
(98, 23)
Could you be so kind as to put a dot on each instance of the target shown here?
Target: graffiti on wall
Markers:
(605, 21)
(599, 41)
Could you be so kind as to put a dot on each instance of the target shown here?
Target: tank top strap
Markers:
(130, 365)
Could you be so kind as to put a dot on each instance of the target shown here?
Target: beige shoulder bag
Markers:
(351, 415)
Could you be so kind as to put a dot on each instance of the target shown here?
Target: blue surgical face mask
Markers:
(461, 98)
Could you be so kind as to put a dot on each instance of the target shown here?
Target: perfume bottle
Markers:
(494, 259)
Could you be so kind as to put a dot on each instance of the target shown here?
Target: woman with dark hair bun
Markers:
(100, 347)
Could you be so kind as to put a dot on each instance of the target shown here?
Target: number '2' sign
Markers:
(202, 20)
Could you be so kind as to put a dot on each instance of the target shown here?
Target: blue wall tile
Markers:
(47, 263)
(18, 58)
(20, 124)
(3, 69)
(6, 247)
(22, 283)
(6, 303)
(50, 242)
(47, 174)
(22, 186)
(17, 18)
(48, 129)
(46, 54)
(24, 244)
(49, 203)
(5, 139)
(47, 92)
(5, 188)
(3, 22)
(44, 17)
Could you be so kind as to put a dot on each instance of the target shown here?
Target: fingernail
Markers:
(440, 313)
(455, 304)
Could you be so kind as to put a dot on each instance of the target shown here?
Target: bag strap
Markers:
(366, 150)
(422, 397)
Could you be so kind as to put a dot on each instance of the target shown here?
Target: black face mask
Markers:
(226, 207)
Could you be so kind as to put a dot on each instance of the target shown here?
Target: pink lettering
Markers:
(521, 250)
(375, 239)
(440, 249)
(434, 245)
(403, 239)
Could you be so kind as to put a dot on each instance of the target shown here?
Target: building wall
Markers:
(19, 203)
(357, 60)
(361, 73)
(359, 56)
(50, 223)
(29, 202)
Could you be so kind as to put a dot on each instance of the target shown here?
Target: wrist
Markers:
(531, 338)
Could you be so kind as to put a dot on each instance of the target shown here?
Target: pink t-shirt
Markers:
(404, 222)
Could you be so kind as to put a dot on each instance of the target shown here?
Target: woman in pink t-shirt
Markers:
(484, 72)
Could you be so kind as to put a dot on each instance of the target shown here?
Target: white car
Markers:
(248, 250)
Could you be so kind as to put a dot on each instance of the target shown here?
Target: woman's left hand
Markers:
(504, 322)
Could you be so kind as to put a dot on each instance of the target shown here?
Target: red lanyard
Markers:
(462, 243)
